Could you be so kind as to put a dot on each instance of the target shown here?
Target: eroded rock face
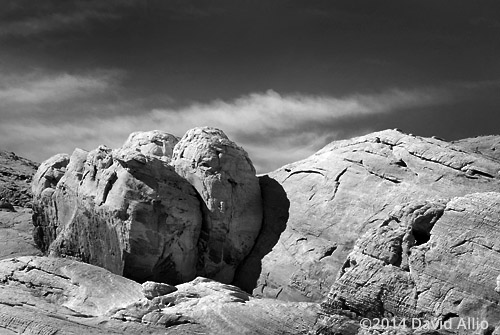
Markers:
(225, 178)
(143, 213)
(220, 309)
(42, 295)
(15, 234)
(15, 178)
(125, 210)
(349, 187)
(433, 260)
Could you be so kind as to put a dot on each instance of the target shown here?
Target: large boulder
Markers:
(126, 210)
(152, 209)
(435, 261)
(349, 187)
(225, 178)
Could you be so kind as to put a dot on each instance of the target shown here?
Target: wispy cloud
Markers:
(29, 26)
(28, 18)
(273, 128)
(39, 88)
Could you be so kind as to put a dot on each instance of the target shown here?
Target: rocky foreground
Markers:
(179, 233)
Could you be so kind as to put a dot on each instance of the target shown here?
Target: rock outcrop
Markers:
(16, 238)
(15, 199)
(349, 187)
(437, 261)
(40, 295)
(155, 209)
(488, 146)
(225, 178)
(15, 178)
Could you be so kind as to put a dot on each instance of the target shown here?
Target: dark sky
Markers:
(281, 78)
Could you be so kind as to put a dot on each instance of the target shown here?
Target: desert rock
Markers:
(15, 178)
(16, 238)
(126, 210)
(432, 260)
(349, 187)
(42, 295)
(153, 210)
(225, 178)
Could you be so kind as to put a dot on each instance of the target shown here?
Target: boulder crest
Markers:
(138, 210)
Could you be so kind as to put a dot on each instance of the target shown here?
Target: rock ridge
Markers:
(349, 187)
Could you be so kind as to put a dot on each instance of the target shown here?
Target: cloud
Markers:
(28, 18)
(275, 129)
(54, 22)
(40, 89)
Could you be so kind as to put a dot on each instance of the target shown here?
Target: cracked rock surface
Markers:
(42, 295)
(349, 187)
(15, 178)
(433, 260)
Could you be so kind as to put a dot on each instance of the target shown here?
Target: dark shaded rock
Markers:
(6, 206)
(15, 178)
(275, 215)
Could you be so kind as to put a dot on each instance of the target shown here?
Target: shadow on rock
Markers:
(276, 205)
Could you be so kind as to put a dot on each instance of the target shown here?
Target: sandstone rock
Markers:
(153, 289)
(221, 309)
(136, 210)
(126, 210)
(349, 187)
(152, 143)
(6, 206)
(488, 146)
(225, 178)
(15, 178)
(432, 260)
(15, 234)
(40, 295)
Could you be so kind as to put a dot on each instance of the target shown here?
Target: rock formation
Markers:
(16, 238)
(15, 197)
(40, 295)
(349, 187)
(139, 210)
(433, 260)
(225, 178)
(15, 178)
(384, 225)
